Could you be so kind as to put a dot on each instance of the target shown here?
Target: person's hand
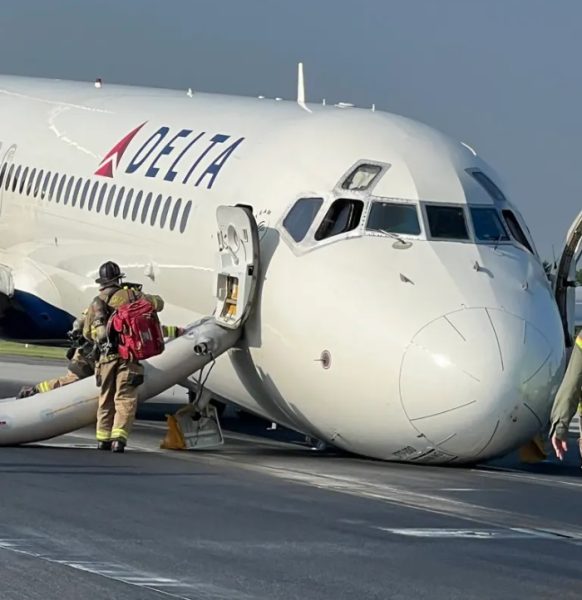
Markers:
(560, 446)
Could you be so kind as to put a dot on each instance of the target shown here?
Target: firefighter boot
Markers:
(118, 446)
(104, 446)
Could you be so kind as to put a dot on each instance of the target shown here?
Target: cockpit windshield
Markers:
(394, 217)
(488, 226)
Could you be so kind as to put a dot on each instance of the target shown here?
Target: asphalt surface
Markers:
(266, 519)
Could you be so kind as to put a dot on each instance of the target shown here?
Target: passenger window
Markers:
(16, 177)
(185, 216)
(101, 198)
(3, 173)
(9, 178)
(110, 199)
(54, 180)
(93, 196)
(68, 190)
(516, 230)
(136, 206)
(84, 194)
(146, 207)
(30, 186)
(394, 217)
(301, 216)
(118, 202)
(37, 184)
(361, 178)
(156, 210)
(45, 185)
(488, 226)
(127, 204)
(60, 188)
(492, 190)
(343, 216)
(23, 181)
(447, 222)
(76, 190)
(175, 213)
(165, 212)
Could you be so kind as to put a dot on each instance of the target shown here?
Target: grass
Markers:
(14, 349)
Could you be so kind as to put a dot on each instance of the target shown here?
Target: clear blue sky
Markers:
(501, 75)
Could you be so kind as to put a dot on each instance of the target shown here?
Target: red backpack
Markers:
(139, 329)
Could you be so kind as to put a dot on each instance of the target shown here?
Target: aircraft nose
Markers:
(477, 382)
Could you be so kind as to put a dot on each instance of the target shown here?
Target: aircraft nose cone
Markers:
(477, 382)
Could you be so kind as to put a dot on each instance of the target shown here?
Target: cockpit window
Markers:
(492, 190)
(488, 226)
(300, 217)
(361, 177)
(343, 215)
(515, 229)
(447, 222)
(393, 217)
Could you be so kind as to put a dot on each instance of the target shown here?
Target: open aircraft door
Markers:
(565, 279)
(238, 265)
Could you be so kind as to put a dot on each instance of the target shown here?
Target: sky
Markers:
(501, 75)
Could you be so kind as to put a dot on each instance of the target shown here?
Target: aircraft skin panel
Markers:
(334, 346)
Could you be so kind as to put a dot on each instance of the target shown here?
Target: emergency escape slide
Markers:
(65, 409)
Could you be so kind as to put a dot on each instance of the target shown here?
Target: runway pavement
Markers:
(267, 519)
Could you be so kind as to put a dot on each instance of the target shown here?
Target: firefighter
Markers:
(566, 401)
(117, 378)
(81, 357)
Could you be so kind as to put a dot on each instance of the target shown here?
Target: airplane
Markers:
(401, 308)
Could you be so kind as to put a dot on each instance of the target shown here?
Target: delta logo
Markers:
(184, 156)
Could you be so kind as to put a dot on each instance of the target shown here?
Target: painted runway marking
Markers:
(474, 534)
(39, 548)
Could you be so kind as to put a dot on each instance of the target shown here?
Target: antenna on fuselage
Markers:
(301, 87)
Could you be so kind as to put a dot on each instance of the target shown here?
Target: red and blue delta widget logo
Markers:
(183, 156)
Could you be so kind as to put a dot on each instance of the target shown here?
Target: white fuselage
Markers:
(435, 350)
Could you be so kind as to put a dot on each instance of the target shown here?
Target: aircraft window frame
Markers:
(118, 201)
(127, 204)
(317, 201)
(524, 241)
(185, 216)
(429, 233)
(353, 224)
(15, 178)
(394, 201)
(175, 213)
(348, 180)
(490, 187)
(165, 212)
(341, 191)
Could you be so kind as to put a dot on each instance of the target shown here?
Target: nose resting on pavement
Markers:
(475, 376)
